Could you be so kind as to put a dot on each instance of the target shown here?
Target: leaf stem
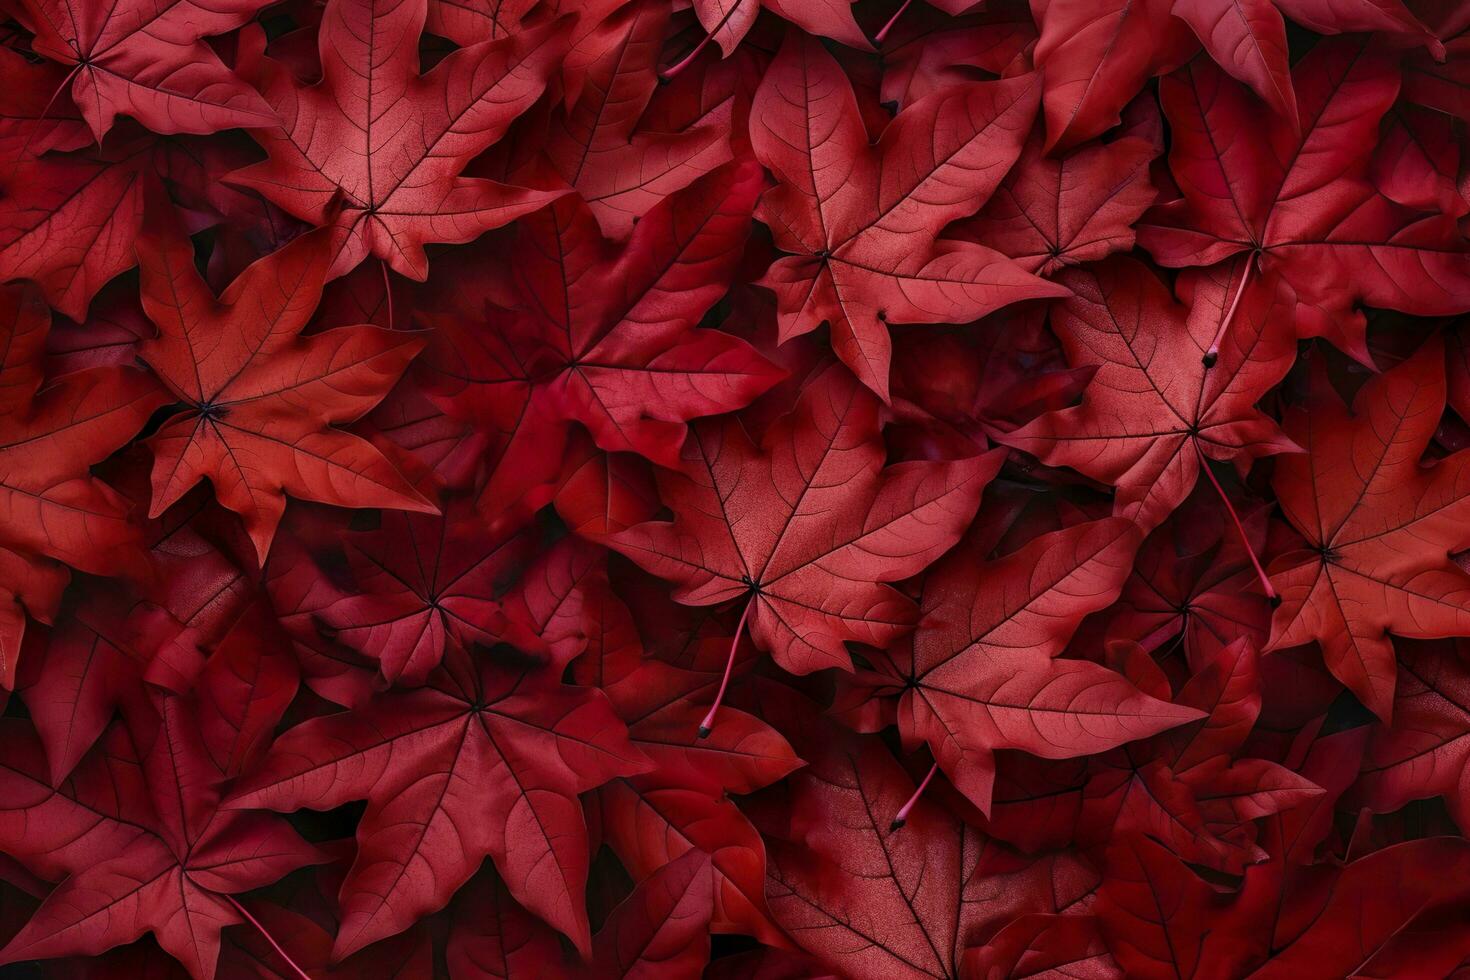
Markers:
(286, 957)
(903, 812)
(878, 38)
(1213, 354)
(707, 725)
(1204, 463)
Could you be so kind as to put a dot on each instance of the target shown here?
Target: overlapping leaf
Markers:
(864, 222)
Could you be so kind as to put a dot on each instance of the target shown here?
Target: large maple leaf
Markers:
(864, 221)
(55, 511)
(260, 400)
(1302, 203)
(807, 527)
(1378, 524)
(604, 335)
(391, 142)
(485, 761)
(1160, 407)
(147, 60)
(981, 671)
(138, 831)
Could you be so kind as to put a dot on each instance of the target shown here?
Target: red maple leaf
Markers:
(1378, 526)
(603, 335)
(260, 401)
(147, 60)
(1173, 389)
(981, 671)
(1300, 202)
(1049, 213)
(499, 754)
(870, 900)
(391, 142)
(808, 544)
(422, 582)
(138, 832)
(864, 221)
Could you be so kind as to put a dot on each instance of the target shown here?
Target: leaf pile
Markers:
(734, 489)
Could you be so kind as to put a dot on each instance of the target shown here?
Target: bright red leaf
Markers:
(260, 402)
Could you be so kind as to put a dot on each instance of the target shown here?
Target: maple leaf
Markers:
(863, 221)
(808, 544)
(486, 760)
(1378, 526)
(147, 60)
(1190, 584)
(390, 142)
(604, 335)
(137, 830)
(979, 673)
(260, 400)
(1050, 213)
(1159, 406)
(56, 512)
(422, 582)
(1302, 204)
